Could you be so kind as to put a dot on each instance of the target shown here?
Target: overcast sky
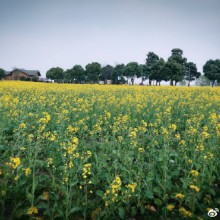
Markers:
(40, 34)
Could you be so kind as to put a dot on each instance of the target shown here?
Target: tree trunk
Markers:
(159, 83)
(175, 83)
(213, 82)
(189, 83)
(132, 81)
(149, 82)
(156, 83)
(171, 82)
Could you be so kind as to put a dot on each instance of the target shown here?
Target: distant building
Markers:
(108, 82)
(19, 74)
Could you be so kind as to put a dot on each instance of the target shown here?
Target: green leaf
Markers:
(99, 193)
(75, 209)
(121, 212)
(133, 211)
(149, 194)
(42, 178)
(42, 205)
(212, 191)
(157, 190)
(157, 202)
(28, 195)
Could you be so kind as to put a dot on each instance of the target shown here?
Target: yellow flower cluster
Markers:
(45, 196)
(194, 173)
(170, 207)
(113, 191)
(141, 150)
(32, 210)
(132, 186)
(179, 196)
(27, 171)
(86, 170)
(185, 213)
(195, 188)
(14, 162)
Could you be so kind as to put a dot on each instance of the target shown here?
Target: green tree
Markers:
(151, 60)
(173, 72)
(177, 63)
(132, 70)
(77, 74)
(93, 71)
(143, 71)
(191, 72)
(157, 73)
(107, 73)
(118, 74)
(2, 74)
(212, 70)
(55, 73)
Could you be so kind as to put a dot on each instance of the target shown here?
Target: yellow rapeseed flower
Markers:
(185, 213)
(170, 207)
(45, 196)
(179, 196)
(27, 171)
(22, 125)
(194, 173)
(14, 162)
(196, 188)
(141, 150)
(32, 210)
(132, 186)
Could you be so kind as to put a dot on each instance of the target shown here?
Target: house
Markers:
(19, 74)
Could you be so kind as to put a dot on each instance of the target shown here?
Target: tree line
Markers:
(175, 69)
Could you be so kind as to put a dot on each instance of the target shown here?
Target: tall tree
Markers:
(132, 70)
(143, 73)
(68, 76)
(173, 72)
(75, 74)
(93, 71)
(107, 72)
(191, 72)
(212, 70)
(157, 73)
(55, 74)
(2, 73)
(151, 60)
(118, 73)
(177, 62)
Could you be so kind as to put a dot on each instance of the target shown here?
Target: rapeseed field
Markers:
(108, 152)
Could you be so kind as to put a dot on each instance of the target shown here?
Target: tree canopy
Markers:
(2, 73)
(118, 73)
(55, 74)
(175, 66)
(212, 70)
(76, 74)
(93, 71)
(191, 72)
(175, 69)
(151, 60)
(132, 70)
(107, 72)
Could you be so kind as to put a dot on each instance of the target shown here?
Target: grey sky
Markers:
(40, 34)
